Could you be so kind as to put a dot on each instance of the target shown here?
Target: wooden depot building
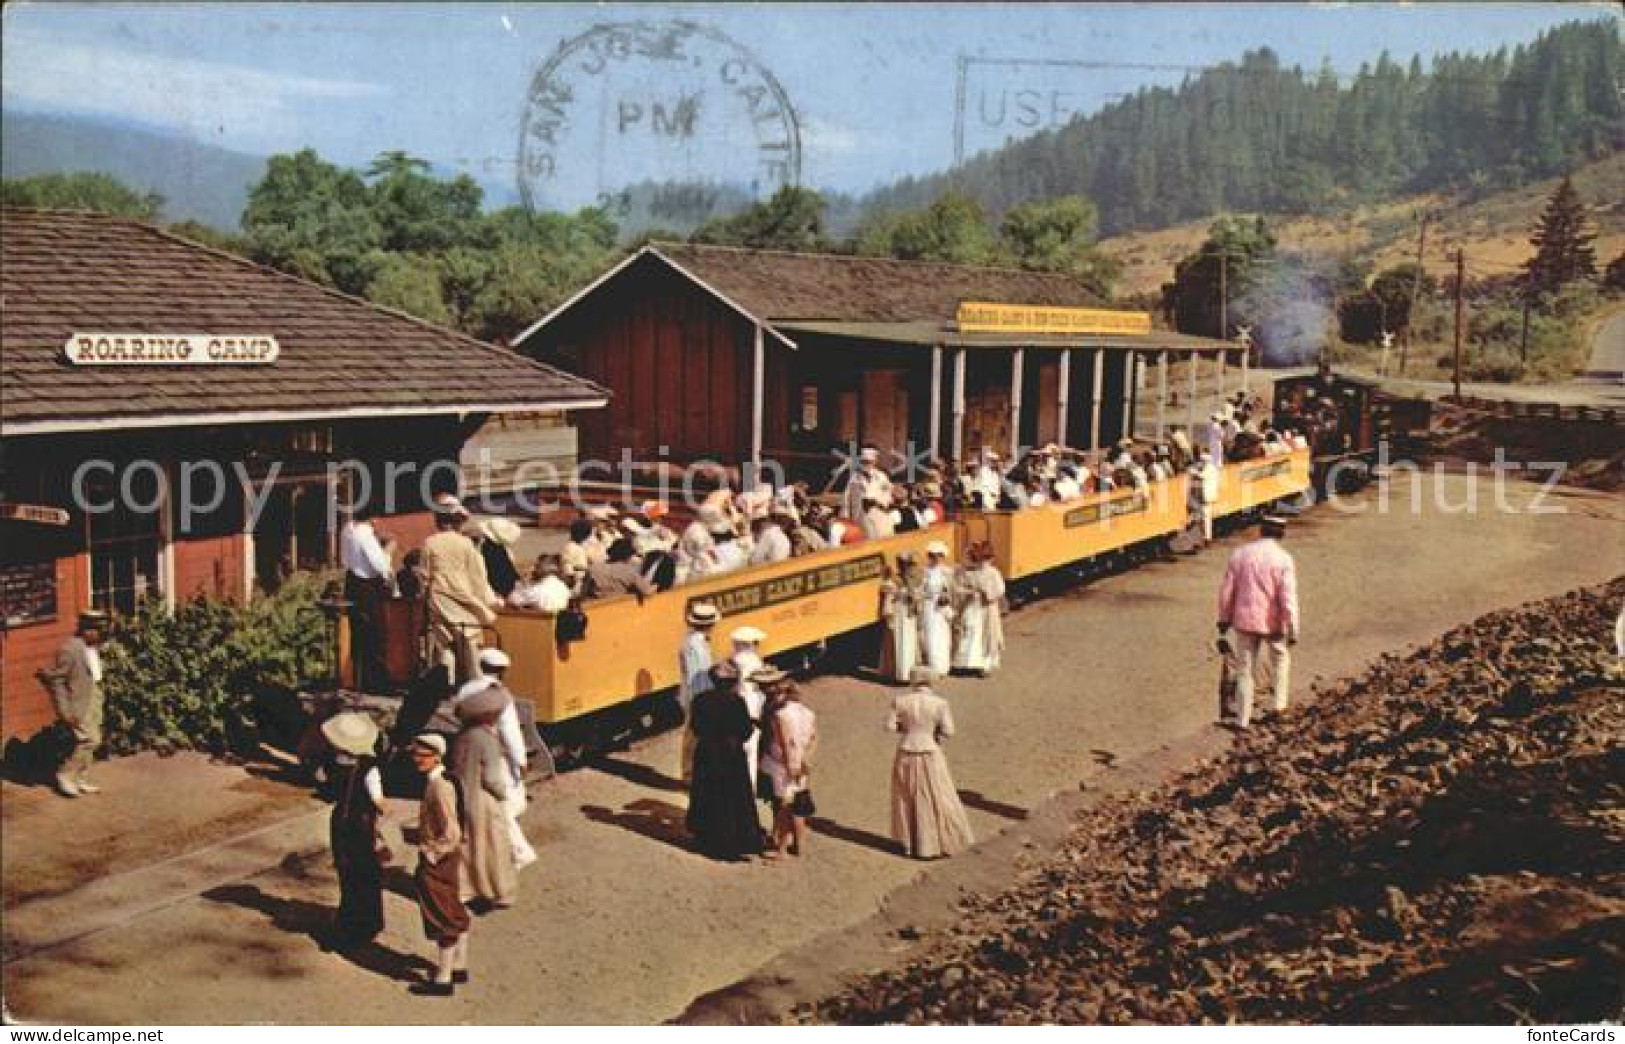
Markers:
(738, 355)
(171, 418)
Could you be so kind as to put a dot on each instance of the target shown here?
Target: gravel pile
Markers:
(1439, 840)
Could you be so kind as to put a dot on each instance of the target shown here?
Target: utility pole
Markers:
(1461, 297)
(1416, 288)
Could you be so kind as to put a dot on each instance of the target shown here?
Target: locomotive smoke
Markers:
(1292, 312)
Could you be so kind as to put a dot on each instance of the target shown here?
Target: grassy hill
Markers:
(1493, 230)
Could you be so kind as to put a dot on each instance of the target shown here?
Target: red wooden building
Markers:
(173, 418)
(742, 355)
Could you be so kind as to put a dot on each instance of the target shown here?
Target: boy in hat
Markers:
(438, 875)
(694, 672)
(75, 684)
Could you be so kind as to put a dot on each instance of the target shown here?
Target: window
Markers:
(126, 543)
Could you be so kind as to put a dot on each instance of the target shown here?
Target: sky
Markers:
(872, 92)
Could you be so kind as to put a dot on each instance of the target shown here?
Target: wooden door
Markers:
(885, 410)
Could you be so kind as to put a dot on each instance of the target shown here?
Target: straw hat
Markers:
(501, 531)
(937, 547)
(352, 732)
(484, 706)
(447, 504)
(430, 741)
(92, 619)
(921, 676)
(768, 675)
(702, 614)
(748, 635)
(494, 660)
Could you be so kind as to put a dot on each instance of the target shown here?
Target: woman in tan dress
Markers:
(927, 817)
(489, 871)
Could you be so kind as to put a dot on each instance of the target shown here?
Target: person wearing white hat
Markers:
(695, 547)
(494, 664)
(868, 485)
(979, 597)
(936, 609)
(497, 536)
(352, 829)
(747, 660)
(1215, 441)
(899, 612)
(986, 484)
(1202, 495)
(461, 601)
(694, 665)
(439, 870)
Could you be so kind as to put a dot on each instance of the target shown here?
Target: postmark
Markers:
(676, 114)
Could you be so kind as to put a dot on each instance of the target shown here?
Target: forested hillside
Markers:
(1255, 136)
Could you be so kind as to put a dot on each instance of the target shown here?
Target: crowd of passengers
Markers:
(610, 553)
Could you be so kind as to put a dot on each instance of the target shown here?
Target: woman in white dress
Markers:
(979, 594)
(927, 817)
(899, 611)
(936, 609)
(747, 660)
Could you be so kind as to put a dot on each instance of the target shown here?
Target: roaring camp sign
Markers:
(148, 349)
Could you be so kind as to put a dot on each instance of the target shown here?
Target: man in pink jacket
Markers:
(1259, 600)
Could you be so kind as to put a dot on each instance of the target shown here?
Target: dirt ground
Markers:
(619, 923)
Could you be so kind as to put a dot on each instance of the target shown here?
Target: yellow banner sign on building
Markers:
(989, 317)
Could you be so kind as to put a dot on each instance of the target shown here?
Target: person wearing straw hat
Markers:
(75, 684)
(694, 672)
(353, 828)
(497, 538)
(791, 732)
(1258, 598)
(927, 817)
(979, 596)
(461, 601)
(868, 484)
(438, 874)
(936, 609)
(746, 658)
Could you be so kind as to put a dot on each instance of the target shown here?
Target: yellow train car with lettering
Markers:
(1037, 539)
(630, 650)
(1250, 484)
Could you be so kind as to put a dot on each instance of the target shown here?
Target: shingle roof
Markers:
(775, 285)
(62, 273)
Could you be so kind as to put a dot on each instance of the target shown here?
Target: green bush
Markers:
(187, 680)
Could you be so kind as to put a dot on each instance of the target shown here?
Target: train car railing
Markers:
(630, 649)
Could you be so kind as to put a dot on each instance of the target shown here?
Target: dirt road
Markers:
(619, 923)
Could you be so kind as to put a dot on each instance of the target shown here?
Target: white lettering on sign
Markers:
(144, 349)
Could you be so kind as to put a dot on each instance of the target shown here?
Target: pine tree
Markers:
(1563, 250)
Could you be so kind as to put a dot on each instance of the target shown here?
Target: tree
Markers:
(81, 190)
(1232, 254)
(314, 219)
(1385, 306)
(1058, 235)
(416, 212)
(410, 284)
(953, 228)
(792, 220)
(1562, 242)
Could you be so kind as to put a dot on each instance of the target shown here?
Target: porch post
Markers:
(1063, 392)
(1094, 398)
(1131, 367)
(959, 405)
(757, 378)
(936, 398)
(1162, 395)
(1016, 364)
(1190, 407)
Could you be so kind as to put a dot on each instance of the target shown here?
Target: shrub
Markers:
(187, 680)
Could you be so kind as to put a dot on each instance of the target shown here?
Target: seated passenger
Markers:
(771, 543)
(877, 520)
(725, 556)
(576, 558)
(617, 575)
(804, 535)
(1066, 485)
(545, 590)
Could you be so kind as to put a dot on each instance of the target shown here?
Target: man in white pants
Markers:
(1259, 600)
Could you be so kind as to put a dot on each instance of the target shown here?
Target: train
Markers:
(619, 679)
(1347, 421)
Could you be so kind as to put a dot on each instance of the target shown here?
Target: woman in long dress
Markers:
(353, 829)
(721, 801)
(899, 611)
(481, 771)
(936, 609)
(791, 733)
(979, 595)
(927, 817)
